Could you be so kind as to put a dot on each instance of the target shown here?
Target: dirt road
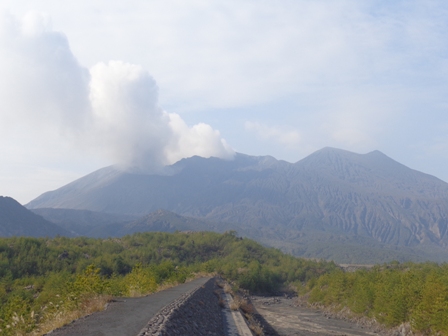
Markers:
(288, 319)
(126, 316)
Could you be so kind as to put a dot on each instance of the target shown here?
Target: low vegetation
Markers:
(393, 294)
(45, 283)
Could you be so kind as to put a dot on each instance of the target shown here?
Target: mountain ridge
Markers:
(16, 220)
(332, 190)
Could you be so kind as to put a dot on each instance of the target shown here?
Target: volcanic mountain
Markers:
(16, 220)
(332, 200)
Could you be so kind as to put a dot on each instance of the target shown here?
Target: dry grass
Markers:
(166, 285)
(134, 293)
(227, 288)
(200, 275)
(249, 312)
(220, 283)
(61, 318)
(234, 305)
(256, 328)
(238, 302)
(247, 307)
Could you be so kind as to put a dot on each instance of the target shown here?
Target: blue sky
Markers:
(87, 84)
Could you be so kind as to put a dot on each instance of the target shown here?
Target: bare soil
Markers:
(285, 316)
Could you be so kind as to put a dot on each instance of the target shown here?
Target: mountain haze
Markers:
(98, 224)
(16, 220)
(332, 195)
(84, 222)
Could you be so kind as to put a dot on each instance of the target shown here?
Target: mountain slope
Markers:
(331, 193)
(167, 221)
(372, 195)
(83, 222)
(97, 224)
(16, 220)
(196, 188)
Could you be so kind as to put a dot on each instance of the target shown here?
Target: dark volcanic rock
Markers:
(195, 313)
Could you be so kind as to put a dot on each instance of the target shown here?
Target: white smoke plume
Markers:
(111, 108)
(40, 78)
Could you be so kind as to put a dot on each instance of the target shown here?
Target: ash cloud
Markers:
(111, 109)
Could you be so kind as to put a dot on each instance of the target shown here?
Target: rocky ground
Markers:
(286, 316)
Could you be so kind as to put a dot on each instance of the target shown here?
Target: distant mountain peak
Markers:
(344, 153)
(332, 157)
(329, 149)
(375, 152)
(330, 191)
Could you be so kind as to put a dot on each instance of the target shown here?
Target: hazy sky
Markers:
(85, 84)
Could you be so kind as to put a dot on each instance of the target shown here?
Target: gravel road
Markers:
(126, 316)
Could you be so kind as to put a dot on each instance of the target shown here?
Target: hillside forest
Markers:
(45, 282)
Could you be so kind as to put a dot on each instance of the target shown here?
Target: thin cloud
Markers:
(289, 138)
